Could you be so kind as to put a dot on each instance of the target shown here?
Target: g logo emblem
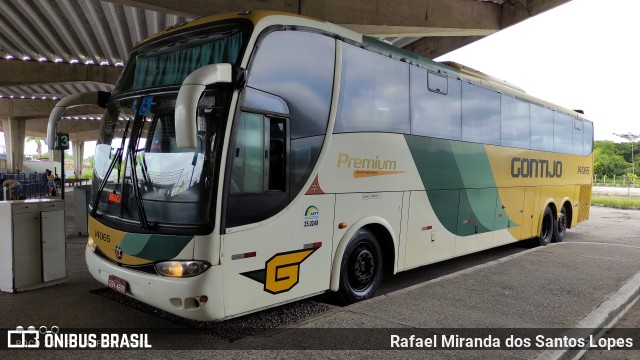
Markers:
(281, 272)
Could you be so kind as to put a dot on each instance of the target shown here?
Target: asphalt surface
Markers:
(589, 281)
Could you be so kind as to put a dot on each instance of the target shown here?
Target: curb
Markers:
(599, 320)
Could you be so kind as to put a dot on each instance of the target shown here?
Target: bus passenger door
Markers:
(476, 220)
(429, 238)
(273, 249)
(530, 215)
(509, 215)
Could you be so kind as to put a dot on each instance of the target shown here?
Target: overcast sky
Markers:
(581, 55)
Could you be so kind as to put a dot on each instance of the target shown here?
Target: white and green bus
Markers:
(254, 159)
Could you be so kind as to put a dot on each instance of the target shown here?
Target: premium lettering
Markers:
(368, 164)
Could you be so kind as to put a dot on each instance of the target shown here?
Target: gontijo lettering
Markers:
(535, 168)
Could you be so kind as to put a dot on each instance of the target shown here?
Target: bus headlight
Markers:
(176, 268)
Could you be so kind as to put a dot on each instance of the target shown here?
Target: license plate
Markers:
(117, 284)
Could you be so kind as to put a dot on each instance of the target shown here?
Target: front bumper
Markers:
(179, 296)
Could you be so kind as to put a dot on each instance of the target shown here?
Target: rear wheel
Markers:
(361, 268)
(560, 230)
(547, 227)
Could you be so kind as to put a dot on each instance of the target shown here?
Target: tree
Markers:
(608, 163)
(632, 139)
(92, 160)
(607, 147)
(38, 140)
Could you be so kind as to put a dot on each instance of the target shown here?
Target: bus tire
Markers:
(547, 227)
(361, 268)
(560, 230)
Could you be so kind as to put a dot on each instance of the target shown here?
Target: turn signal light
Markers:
(91, 244)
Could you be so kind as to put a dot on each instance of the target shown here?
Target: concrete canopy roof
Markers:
(50, 49)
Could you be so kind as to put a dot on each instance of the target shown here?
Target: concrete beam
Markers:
(458, 14)
(36, 109)
(16, 73)
(461, 14)
(200, 8)
(77, 129)
(512, 14)
(463, 21)
(85, 136)
(432, 47)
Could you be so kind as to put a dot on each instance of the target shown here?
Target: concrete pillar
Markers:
(3, 162)
(78, 154)
(55, 157)
(14, 141)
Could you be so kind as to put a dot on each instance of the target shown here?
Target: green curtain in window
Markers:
(172, 68)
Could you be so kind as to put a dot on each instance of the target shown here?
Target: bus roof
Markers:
(253, 16)
(449, 68)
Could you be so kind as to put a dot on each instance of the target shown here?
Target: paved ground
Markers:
(586, 281)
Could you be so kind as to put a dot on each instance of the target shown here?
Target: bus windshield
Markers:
(169, 61)
(141, 175)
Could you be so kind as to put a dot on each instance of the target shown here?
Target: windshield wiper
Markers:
(117, 156)
(136, 191)
(136, 132)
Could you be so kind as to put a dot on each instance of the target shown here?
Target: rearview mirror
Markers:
(190, 93)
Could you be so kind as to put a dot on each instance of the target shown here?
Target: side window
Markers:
(257, 178)
(514, 123)
(435, 113)
(259, 162)
(298, 67)
(578, 129)
(437, 83)
(374, 93)
(587, 138)
(562, 133)
(541, 128)
(480, 114)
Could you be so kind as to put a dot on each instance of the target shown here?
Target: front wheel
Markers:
(560, 230)
(361, 268)
(547, 227)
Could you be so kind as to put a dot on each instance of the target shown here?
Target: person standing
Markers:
(51, 183)
(17, 190)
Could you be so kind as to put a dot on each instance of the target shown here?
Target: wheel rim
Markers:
(362, 266)
(562, 223)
